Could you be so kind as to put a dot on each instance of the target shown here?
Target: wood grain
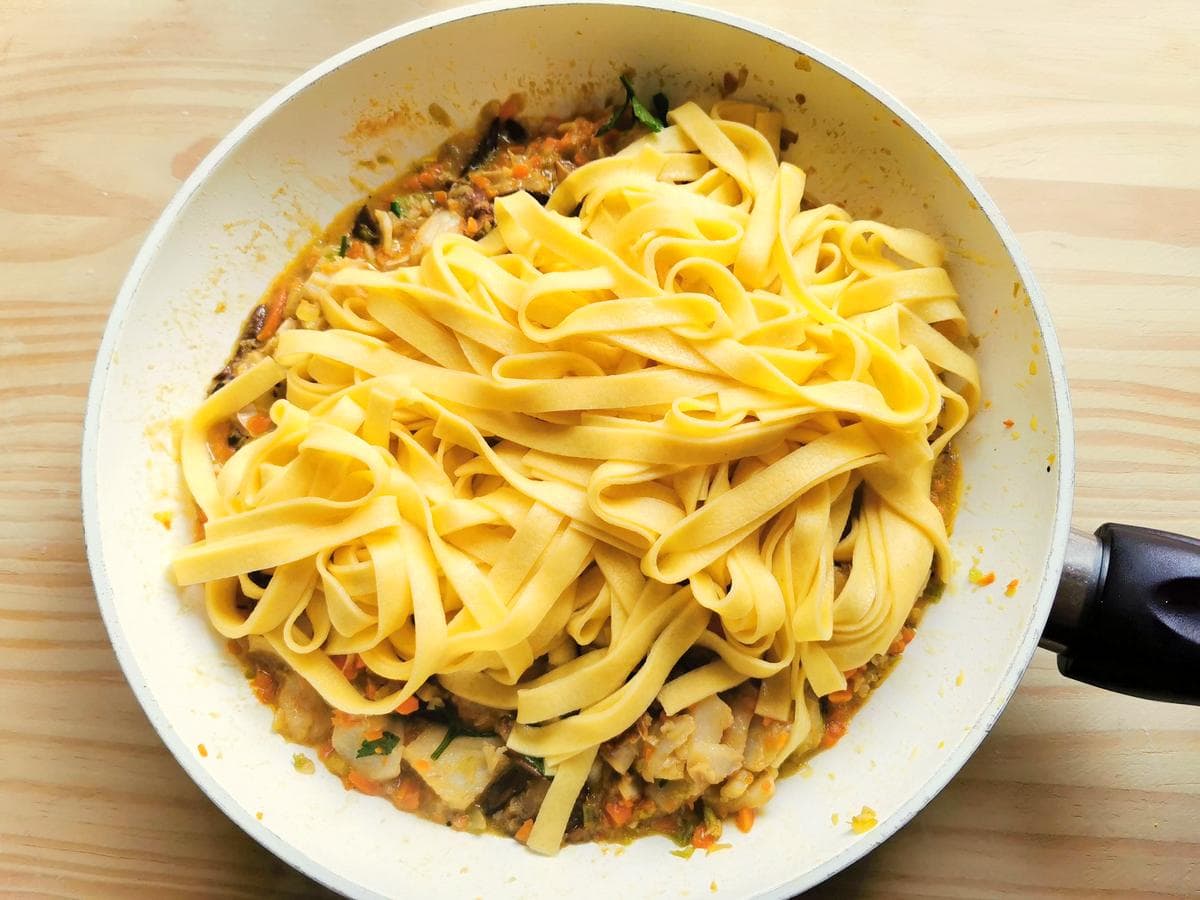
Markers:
(1084, 123)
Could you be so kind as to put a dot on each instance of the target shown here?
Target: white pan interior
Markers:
(298, 161)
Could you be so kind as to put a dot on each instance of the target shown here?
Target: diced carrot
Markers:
(907, 633)
(373, 734)
(422, 765)
(440, 197)
(520, 170)
(1011, 588)
(702, 839)
(274, 317)
(619, 811)
(744, 820)
(480, 181)
(852, 673)
(896, 647)
(834, 732)
(264, 686)
(357, 250)
(408, 794)
(411, 183)
(427, 179)
(524, 831)
(218, 442)
(980, 579)
(409, 706)
(363, 784)
(841, 697)
(1008, 423)
(342, 719)
(258, 424)
(352, 665)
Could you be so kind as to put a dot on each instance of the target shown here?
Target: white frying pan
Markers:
(311, 150)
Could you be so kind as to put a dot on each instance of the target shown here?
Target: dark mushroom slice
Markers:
(486, 147)
(365, 226)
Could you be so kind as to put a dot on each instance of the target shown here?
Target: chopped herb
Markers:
(536, 761)
(381, 746)
(398, 209)
(345, 245)
(640, 112)
(616, 117)
(456, 729)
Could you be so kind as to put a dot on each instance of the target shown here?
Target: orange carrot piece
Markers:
(834, 732)
(702, 839)
(274, 317)
(258, 424)
(524, 831)
(841, 696)
(409, 706)
(264, 686)
(744, 820)
(218, 442)
(363, 784)
(520, 170)
(619, 812)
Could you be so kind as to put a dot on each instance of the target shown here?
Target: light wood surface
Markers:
(1083, 119)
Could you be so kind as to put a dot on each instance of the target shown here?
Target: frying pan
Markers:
(1126, 615)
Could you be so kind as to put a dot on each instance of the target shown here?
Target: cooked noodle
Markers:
(651, 425)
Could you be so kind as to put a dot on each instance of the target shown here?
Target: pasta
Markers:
(673, 410)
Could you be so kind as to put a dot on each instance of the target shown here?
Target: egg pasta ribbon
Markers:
(694, 414)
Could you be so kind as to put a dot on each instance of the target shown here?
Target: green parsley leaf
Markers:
(617, 113)
(536, 761)
(456, 729)
(640, 112)
(398, 209)
(381, 746)
(345, 245)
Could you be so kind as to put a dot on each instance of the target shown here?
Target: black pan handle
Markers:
(1127, 613)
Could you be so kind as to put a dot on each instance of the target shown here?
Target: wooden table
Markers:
(1084, 123)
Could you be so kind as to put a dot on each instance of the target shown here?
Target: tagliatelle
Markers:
(600, 438)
